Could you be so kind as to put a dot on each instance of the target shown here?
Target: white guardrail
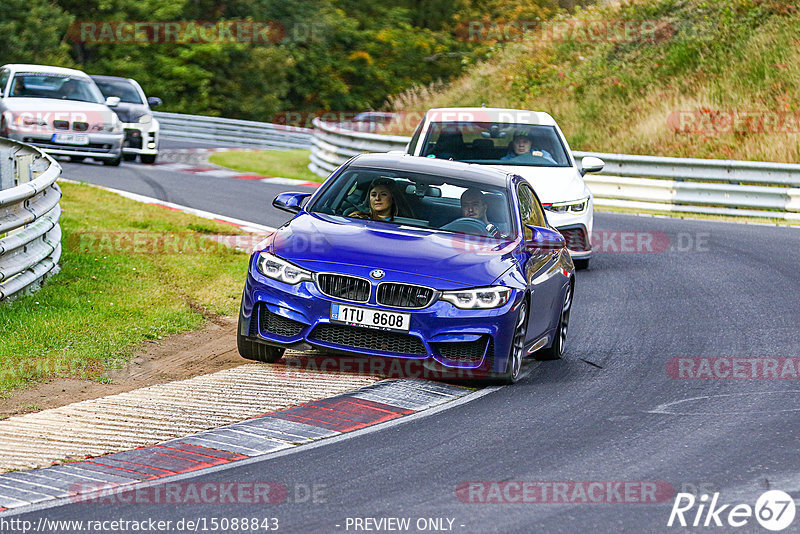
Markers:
(718, 187)
(232, 132)
(30, 237)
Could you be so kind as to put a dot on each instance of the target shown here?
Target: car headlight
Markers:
(28, 122)
(478, 299)
(147, 118)
(279, 269)
(574, 206)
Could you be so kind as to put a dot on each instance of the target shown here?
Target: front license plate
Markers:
(70, 139)
(380, 319)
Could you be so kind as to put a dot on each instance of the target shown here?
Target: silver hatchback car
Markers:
(61, 111)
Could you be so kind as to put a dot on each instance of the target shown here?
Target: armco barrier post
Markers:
(22, 169)
(6, 168)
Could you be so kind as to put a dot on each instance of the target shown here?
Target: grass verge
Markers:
(130, 272)
(281, 163)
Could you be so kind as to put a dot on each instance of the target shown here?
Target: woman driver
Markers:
(382, 205)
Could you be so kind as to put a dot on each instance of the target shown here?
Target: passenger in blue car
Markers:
(382, 195)
(520, 150)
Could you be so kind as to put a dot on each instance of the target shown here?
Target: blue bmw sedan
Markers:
(451, 264)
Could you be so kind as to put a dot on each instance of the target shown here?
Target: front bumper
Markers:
(101, 145)
(141, 138)
(475, 343)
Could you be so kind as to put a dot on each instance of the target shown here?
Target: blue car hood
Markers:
(312, 240)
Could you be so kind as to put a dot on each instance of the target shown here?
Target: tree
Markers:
(31, 32)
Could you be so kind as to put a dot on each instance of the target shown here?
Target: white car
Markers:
(528, 143)
(59, 110)
(140, 127)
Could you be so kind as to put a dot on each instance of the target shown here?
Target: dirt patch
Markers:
(176, 357)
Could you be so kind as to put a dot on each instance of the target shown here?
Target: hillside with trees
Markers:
(695, 78)
(325, 55)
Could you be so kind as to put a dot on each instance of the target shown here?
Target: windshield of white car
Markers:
(120, 88)
(55, 86)
(495, 143)
(418, 200)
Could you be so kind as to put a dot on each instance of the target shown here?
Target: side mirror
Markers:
(591, 164)
(112, 101)
(290, 201)
(154, 101)
(544, 239)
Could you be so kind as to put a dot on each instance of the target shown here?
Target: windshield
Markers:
(56, 86)
(121, 88)
(496, 143)
(418, 200)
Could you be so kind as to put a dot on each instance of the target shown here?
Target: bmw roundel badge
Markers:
(377, 274)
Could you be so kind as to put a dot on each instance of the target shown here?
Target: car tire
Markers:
(253, 350)
(148, 159)
(113, 162)
(77, 159)
(556, 349)
(582, 264)
(129, 157)
(517, 352)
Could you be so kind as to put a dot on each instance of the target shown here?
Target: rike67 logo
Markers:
(774, 510)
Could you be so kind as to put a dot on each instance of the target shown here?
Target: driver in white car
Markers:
(473, 205)
(520, 149)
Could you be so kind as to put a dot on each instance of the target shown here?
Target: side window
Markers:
(4, 75)
(412, 145)
(529, 209)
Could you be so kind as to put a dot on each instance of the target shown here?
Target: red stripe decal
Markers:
(199, 450)
(342, 414)
(113, 467)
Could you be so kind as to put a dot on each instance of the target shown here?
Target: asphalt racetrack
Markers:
(678, 377)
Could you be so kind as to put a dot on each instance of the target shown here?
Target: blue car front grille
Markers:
(471, 352)
(404, 295)
(343, 287)
(369, 339)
